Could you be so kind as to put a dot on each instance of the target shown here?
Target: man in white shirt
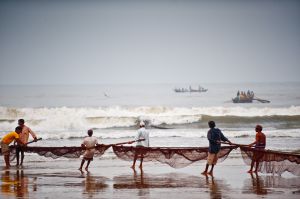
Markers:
(143, 135)
(89, 144)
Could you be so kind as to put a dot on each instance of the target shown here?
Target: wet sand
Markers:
(115, 179)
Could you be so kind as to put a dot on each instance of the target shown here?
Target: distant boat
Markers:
(247, 98)
(190, 89)
(242, 100)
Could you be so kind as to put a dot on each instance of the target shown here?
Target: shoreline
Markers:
(115, 179)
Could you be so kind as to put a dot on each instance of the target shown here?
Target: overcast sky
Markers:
(95, 42)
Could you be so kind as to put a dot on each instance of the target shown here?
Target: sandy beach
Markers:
(115, 179)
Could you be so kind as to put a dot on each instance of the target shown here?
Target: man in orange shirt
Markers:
(24, 136)
(6, 140)
(260, 144)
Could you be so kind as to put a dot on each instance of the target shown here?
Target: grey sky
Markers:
(88, 42)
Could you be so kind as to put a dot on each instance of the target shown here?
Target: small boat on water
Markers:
(242, 100)
(190, 89)
(243, 97)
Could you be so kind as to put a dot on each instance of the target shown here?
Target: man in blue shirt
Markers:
(214, 136)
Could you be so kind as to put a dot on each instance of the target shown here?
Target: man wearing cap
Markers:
(259, 146)
(142, 140)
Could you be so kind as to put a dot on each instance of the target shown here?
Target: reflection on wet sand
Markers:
(143, 182)
(93, 185)
(263, 185)
(16, 184)
(213, 185)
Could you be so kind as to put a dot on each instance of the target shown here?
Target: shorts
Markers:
(5, 149)
(212, 158)
(89, 154)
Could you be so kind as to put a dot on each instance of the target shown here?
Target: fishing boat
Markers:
(243, 97)
(190, 89)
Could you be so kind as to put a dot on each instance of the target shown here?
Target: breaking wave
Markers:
(79, 119)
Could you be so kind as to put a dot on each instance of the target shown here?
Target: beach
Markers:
(115, 179)
(73, 69)
(61, 115)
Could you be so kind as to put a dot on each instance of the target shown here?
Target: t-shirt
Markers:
(8, 138)
(260, 139)
(142, 134)
(214, 135)
(90, 141)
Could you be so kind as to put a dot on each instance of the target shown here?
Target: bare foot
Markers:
(133, 167)
(80, 169)
(250, 171)
(86, 169)
(204, 173)
(210, 173)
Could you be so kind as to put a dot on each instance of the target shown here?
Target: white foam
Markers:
(80, 119)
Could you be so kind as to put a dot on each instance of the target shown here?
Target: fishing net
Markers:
(67, 152)
(272, 161)
(174, 157)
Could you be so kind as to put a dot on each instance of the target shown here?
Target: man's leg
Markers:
(211, 170)
(17, 155)
(251, 167)
(256, 166)
(206, 169)
(81, 165)
(22, 156)
(6, 159)
(87, 165)
(134, 160)
(141, 164)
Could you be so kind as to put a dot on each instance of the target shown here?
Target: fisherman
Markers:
(142, 134)
(6, 140)
(259, 146)
(89, 144)
(24, 136)
(214, 136)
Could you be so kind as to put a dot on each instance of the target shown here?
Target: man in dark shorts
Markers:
(259, 147)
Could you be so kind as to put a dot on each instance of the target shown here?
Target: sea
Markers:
(62, 114)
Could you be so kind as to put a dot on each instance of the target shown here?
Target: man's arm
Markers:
(224, 139)
(253, 143)
(32, 134)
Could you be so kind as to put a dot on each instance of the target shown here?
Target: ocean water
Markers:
(62, 114)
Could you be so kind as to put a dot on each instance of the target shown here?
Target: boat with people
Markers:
(247, 97)
(200, 89)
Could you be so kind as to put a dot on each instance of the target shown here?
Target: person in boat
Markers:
(259, 146)
(6, 140)
(215, 137)
(89, 143)
(142, 140)
(24, 136)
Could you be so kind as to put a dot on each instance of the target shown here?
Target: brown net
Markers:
(67, 152)
(272, 161)
(174, 157)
